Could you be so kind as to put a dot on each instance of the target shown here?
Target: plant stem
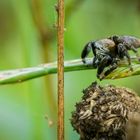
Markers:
(24, 74)
(60, 65)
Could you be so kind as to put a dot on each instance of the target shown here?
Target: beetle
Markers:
(107, 52)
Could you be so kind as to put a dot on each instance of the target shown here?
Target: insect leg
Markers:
(86, 51)
(123, 52)
(128, 59)
(106, 61)
(135, 51)
(113, 67)
(95, 62)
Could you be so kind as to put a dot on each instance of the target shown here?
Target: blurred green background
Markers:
(28, 110)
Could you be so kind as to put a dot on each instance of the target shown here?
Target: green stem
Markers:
(23, 74)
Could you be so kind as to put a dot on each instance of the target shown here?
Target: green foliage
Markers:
(23, 107)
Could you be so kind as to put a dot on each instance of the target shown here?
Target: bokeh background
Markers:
(28, 111)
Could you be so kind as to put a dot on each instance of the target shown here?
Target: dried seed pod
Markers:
(104, 112)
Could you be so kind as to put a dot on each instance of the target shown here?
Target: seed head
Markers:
(104, 112)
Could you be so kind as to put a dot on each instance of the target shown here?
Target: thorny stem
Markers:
(24, 74)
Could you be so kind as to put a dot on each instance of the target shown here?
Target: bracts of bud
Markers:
(106, 113)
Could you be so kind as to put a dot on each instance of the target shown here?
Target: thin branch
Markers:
(24, 74)
(60, 64)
